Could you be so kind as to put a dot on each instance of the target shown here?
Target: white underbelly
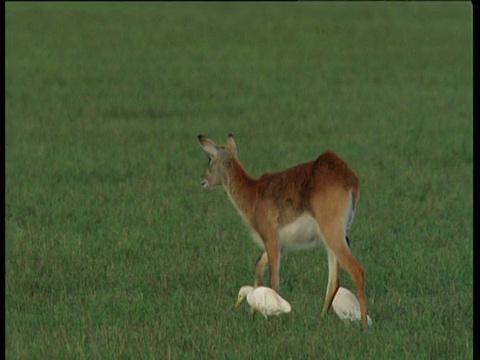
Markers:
(303, 233)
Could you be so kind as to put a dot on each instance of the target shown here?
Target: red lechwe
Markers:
(297, 208)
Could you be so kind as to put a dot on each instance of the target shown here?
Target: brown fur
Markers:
(324, 188)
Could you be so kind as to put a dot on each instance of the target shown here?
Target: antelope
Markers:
(298, 208)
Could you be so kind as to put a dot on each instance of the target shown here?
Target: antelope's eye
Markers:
(209, 160)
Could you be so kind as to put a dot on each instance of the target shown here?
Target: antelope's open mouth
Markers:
(204, 184)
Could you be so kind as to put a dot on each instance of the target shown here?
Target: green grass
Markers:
(113, 249)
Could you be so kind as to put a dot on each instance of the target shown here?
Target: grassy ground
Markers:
(113, 251)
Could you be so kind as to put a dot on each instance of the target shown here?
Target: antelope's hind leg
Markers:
(336, 242)
(333, 281)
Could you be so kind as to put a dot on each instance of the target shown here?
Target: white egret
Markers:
(264, 300)
(346, 306)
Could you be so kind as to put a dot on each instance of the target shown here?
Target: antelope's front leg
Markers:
(274, 264)
(262, 261)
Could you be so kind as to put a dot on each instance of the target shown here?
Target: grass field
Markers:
(113, 249)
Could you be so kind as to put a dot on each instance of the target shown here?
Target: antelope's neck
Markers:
(241, 189)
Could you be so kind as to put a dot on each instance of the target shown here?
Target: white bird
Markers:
(264, 300)
(346, 306)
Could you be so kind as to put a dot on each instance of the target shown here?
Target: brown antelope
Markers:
(297, 208)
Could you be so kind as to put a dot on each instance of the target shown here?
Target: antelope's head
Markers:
(219, 160)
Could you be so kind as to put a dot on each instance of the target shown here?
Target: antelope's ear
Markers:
(231, 144)
(208, 145)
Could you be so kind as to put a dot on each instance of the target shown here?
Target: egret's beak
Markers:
(237, 304)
